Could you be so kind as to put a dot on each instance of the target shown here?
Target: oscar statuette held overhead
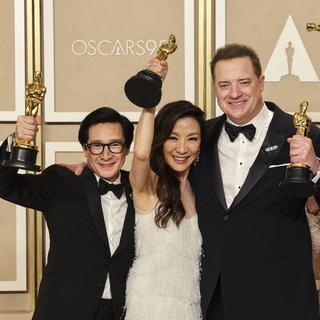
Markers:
(144, 89)
(24, 153)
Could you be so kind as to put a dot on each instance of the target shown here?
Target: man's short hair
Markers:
(105, 115)
(235, 50)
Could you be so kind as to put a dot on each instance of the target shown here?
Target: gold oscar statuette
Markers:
(297, 182)
(311, 26)
(144, 89)
(24, 154)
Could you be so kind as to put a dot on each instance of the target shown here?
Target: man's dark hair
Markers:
(235, 50)
(104, 115)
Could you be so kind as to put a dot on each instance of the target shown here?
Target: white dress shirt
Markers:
(114, 212)
(237, 157)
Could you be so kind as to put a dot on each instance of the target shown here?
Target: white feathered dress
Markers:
(163, 283)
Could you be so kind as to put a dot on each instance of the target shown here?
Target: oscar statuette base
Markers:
(144, 89)
(297, 183)
(23, 157)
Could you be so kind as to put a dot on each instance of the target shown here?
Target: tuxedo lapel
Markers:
(94, 201)
(128, 225)
(279, 130)
(213, 160)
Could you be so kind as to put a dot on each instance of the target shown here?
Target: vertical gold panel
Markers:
(204, 56)
(38, 65)
(208, 90)
(30, 213)
(29, 41)
(201, 53)
(34, 63)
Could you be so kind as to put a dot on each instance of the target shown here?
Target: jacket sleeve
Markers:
(4, 154)
(32, 191)
(315, 136)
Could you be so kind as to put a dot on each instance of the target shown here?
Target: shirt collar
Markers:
(262, 119)
(117, 181)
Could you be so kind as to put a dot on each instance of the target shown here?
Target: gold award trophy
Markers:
(297, 182)
(311, 26)
(144, 89)
(24, 154)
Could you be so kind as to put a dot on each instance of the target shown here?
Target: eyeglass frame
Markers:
(88, 145)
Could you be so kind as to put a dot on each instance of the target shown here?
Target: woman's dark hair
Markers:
(168, 186)
(103, 115)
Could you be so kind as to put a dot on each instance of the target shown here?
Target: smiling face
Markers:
(106, 165)
(181, 148)
(238, 89)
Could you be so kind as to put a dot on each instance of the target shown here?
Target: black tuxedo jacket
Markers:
(260, 247)
(79, 258)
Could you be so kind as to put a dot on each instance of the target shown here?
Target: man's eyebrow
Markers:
(109, 141)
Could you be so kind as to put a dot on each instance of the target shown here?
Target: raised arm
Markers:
(140, 173)
(32, 191)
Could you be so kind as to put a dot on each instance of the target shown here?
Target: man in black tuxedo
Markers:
(257, 262)
(90, 220)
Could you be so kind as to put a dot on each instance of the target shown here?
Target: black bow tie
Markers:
(104, 187)
(233, 131)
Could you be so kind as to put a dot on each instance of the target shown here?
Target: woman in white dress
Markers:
(163, 283)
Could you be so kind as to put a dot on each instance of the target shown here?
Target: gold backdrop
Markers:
(88, 49)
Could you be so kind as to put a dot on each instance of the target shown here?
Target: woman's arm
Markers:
(140, 173)
(141, 177)
(312, 212)
(314, 225)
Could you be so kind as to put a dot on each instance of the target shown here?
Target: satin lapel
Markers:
(128, 225)
(213, 160)
(94, 201)
(275, 139)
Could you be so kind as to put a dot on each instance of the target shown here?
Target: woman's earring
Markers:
(197, 158)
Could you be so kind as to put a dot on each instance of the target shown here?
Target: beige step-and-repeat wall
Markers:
(88, 49)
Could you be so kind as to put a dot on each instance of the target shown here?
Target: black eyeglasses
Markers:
(98, 148)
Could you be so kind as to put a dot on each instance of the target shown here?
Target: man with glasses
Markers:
(90, 218)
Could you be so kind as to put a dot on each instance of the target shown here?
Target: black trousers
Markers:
(215, 310)
(104, 311)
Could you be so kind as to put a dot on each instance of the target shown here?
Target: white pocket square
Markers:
(279, 165)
